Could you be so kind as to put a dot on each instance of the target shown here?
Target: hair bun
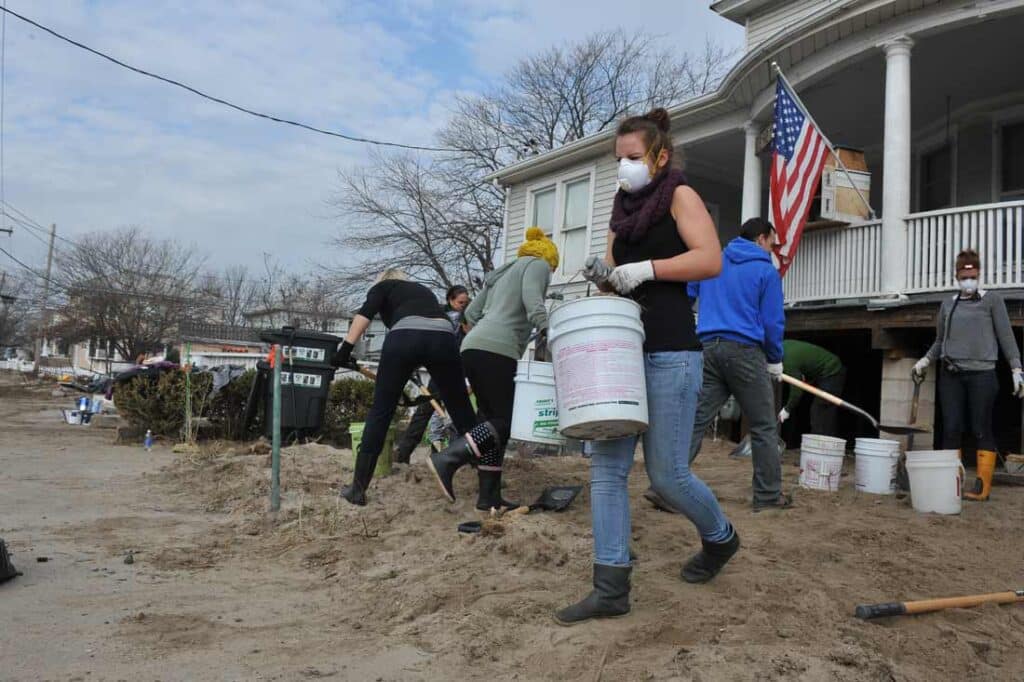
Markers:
(534, 234)
(660, 118)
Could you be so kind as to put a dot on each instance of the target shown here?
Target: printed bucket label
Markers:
(545, 419)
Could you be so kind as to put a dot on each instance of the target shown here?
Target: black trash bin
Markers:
(303, 346)
(306, 375)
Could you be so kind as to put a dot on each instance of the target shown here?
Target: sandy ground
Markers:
(219, 590)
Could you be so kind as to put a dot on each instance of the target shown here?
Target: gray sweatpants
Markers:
(732, 368)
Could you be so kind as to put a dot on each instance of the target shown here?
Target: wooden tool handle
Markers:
(433, 403)
(814, 390)
(903, 608)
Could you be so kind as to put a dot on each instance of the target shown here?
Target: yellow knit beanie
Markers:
(538, 245)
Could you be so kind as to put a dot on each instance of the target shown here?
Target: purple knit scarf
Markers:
(633, 214)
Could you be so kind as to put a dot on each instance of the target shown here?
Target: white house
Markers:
(932, 92)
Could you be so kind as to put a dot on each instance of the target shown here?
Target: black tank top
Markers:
(665, 307)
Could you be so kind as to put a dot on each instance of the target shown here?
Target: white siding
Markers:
(763, 26)
(515, 228)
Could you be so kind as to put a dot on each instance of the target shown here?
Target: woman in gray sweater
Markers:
(501, 318)
(973, 326)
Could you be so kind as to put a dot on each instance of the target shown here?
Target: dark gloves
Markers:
(343, 356)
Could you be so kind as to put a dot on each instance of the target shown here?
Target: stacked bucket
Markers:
(876, 465)
(821, 462)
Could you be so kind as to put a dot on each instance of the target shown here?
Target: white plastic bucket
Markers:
(823, 443)
(936, 477)
(535, 412)
(875, 467)
(597, 347)
(820, 472)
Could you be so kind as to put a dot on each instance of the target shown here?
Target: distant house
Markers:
(931, 93)
(206, 344)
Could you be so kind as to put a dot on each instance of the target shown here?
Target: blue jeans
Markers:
(673, 388)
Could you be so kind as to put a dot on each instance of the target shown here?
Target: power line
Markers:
(224, 102)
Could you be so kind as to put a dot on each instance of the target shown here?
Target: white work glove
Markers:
(775, 370)
(920, 369)
(597, 271)
(1018, 383)
(783, 415)
(627, 277)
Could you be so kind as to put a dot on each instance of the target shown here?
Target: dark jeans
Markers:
(967, 400)
(417, 426)
(493, 378)
(739, 369)
(824, 415)
(406, 350)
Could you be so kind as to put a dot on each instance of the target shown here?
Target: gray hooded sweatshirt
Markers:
(509, 307)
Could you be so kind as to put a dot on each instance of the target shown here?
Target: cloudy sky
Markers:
(90, 146)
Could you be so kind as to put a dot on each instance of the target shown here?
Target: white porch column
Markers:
(896, 164)
(751, 175)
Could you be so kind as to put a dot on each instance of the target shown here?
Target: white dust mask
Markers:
(968, 286)
(634, 175)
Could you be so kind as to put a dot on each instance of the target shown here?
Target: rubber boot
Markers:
(983, 484)
(355, 492)
(608, 599)
(482, 442)
(490, 492)
(705, 564)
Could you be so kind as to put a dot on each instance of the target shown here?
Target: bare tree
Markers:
(412, 215)
(438, 219)
(230, 293)
(127, 288)
(17, 297)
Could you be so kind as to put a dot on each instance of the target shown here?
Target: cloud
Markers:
(91, 146)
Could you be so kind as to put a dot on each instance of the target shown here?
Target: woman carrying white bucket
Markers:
(973, 326)
(661, 236)
(501, 318)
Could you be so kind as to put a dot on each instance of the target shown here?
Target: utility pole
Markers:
(45, 321)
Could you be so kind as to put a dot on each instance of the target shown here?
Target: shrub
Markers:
(158, 403)
(349, 401)
(227, 409)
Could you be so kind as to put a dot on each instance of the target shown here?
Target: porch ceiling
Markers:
(968, 64)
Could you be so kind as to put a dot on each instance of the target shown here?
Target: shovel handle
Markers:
(903, 608)
(433, 403)
(828, 397)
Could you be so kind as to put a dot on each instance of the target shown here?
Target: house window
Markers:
(562, 210)
(937, 179)
(1012, 155)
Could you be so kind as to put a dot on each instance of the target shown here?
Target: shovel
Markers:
(899, 429)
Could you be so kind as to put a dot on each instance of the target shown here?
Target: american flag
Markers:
(798, 155)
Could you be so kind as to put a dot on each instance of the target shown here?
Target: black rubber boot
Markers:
(355, 493)
(609, 598)
(7, 569)
(705, 564)
(444, 464)
(480, 443)
(490, 493)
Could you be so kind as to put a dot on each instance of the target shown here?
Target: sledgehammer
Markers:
(906, 608)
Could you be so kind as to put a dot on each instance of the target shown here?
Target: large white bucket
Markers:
(820, 471)
(535, 413)
(876, 465)
(823, 443)
(936, 477)
(597, 347)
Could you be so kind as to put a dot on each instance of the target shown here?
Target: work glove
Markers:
(1018, 383)
(775, 371)
(343, 356)
(597, 270)
(920, 369)
(783, 415)
(627, 277)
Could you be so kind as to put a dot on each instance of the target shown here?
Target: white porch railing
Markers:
(837, 262)
(934, 238)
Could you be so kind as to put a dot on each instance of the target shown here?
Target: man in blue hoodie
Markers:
(740, 322)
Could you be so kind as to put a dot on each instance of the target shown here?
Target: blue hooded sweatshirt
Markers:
(744, 303)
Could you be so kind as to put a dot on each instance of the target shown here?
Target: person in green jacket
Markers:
(501, 319)
(820, 368)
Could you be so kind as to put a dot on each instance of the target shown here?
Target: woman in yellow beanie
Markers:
(502, 317)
